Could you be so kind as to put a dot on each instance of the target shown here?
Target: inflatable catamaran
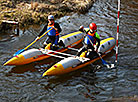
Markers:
(68, 41)
(73, 63)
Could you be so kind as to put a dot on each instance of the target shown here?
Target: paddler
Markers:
(53, 35)
(89, 42)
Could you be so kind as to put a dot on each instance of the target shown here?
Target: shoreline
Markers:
(29, 12)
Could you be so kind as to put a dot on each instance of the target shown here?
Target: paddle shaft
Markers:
(38, 38)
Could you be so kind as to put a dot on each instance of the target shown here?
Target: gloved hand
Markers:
(95, 47)
(54, 28)
(81, 29)
(37, 38)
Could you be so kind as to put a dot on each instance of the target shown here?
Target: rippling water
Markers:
(25, 84)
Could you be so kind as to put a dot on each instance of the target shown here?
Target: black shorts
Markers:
(50, 39)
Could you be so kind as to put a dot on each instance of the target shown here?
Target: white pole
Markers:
(117, 30)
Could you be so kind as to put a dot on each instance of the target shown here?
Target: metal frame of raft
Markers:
(80, 58)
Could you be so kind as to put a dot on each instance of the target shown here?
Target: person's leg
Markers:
(91, 52)
(90, 47)
(56, 45)
(46, 42)
(52, 39)
(49, 39)
(56, 40)
(81, 50)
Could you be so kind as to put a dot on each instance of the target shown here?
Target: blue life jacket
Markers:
(91, 37)
(51, 32)
(86, 39)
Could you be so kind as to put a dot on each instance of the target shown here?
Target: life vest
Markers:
(52, 32)
(91, 36)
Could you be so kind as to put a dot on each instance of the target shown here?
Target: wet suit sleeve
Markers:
(97, 37)
(43, 30)
(58, 27)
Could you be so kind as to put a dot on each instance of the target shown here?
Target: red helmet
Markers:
(93, 26)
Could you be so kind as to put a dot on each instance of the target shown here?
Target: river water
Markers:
(25, 84)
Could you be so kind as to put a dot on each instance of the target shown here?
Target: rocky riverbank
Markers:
(27, 12)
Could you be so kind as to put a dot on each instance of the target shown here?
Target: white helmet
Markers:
(50, 17)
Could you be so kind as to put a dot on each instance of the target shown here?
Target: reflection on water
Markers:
(25, 84)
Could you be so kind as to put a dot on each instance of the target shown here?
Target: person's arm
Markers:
(43, 30)
(97, 37)
(98, 40)
(58, 28)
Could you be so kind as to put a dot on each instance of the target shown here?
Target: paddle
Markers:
(22, 50)
(103, 61)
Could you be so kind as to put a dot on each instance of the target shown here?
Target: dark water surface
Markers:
(25, 84)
